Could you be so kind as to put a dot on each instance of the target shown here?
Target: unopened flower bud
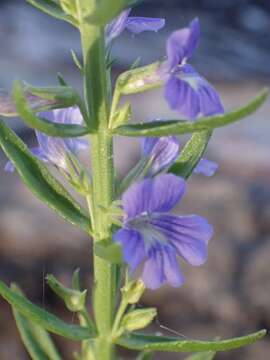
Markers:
(138, 319)
(133, 291)
(139, 80)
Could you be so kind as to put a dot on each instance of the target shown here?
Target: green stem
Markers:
(96, 95)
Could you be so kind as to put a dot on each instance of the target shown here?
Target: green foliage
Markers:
(178, 127)
(48, 127)
(64, 94)
(191, 154)
(42, 317)
(35, 338)
(74, 299)
(136, 341)
(39, 180)
(52, 8)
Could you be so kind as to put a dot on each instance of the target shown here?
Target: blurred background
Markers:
(229, 295)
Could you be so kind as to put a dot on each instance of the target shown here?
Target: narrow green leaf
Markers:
(161, 343)
(43, 125)
(170, 127)
(42, 317)
(32, 347)
(39, 180)
(209, 355)
(191, 154)
(36, 339)
(64, 94)
(61, 80)
(52, 8)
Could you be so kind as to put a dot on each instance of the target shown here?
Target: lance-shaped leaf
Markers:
(136, 341)
(178, 127)
(39, 180)
(65, 95)
(209, 355)
(40, 124)
(191, 154)
(42, 317)
(35, 338)
(52, 8)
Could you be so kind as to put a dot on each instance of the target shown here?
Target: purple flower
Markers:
(163, 152)
(153, 238)
(133, 24)
(52, 149)
(185, 90)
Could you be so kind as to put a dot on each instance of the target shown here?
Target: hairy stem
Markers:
(96, 95)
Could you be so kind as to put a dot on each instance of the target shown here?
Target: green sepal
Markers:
(133, 291)
(121, 117)
(61, 80)
(139, 80)
(42, 317)
(191, 154)
(137, 319)
(110, 252)
(76, 60)
(39, 180)
(35, 338)
(74, 299)
(209, 355)
(178, 127)
(40, 124)
(137, 341)
(52, 8)
(76, 280)
(36, 103)
(76, 174)
(138, 172)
